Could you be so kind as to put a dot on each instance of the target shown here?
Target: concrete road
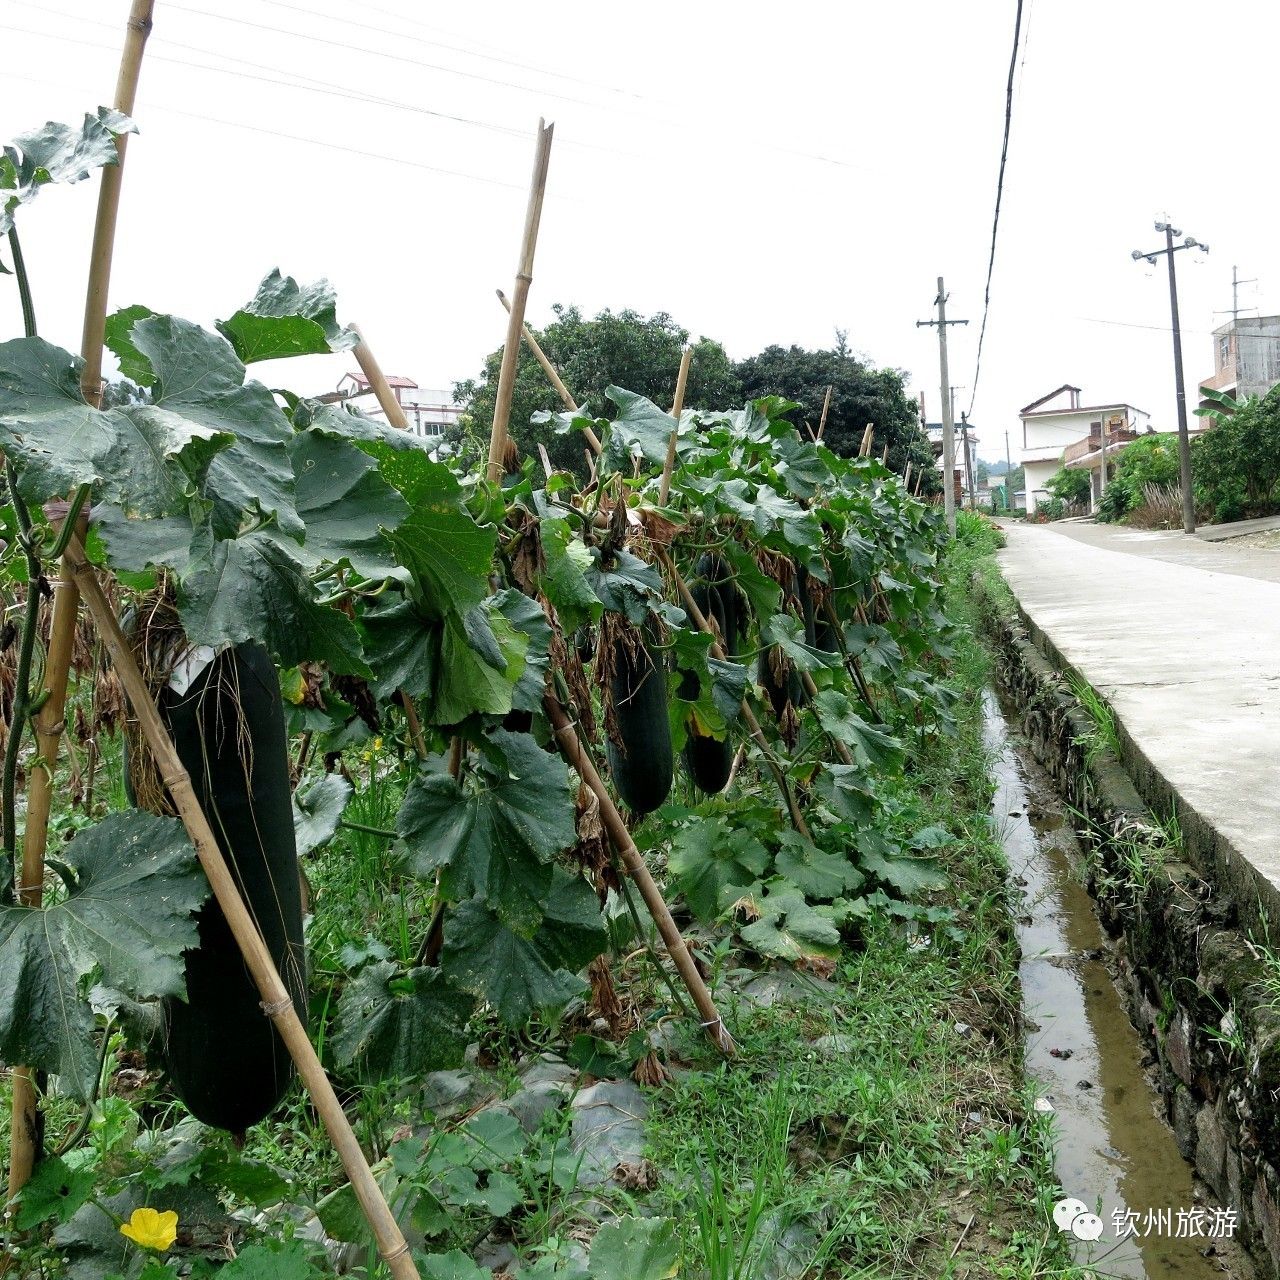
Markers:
(1183, 639)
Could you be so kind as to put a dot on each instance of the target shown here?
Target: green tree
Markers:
(860, 394)
(624, 349)
(1069, 485)
(1236, 464)
(1150, 460)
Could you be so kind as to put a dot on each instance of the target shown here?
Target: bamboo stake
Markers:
(276, 1001)
(906, 478)
(389, 405)
(826, 404)
(552, 373)
(25, 1128)
(884, 456)
(571, 749)
(104, 228)
(865, 450)
(753, 725)
(677, 408)
(520, 295)
(378, 383)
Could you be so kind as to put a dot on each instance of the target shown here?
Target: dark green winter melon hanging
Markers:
(708, 760)
(641, 758)
(224, 1057)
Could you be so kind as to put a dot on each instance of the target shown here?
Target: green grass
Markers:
(877, 1155)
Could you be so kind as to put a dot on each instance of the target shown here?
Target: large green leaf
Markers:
(57, 153)
(625, 584)
(518, 975)
(815, 872)
(345, 504)
(788, 927)
(402, 648)
(711, 861)
(318, 811)
(129, 919)
(641, 430)
(143, 458)
(497, 835)
(287, 319)
(635, 1249)
(871, 747)
(448, 554)
(787, 632)
(481, 659)
(197, 375)
(170, 542)
(255, 588)
(564, 579)
(392, 1025)
(525, 616)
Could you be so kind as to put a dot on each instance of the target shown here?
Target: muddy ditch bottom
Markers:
(1114, 1151)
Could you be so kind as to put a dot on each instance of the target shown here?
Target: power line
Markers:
(363, 152)
(453, 48)
(306, 83)
(347, 47)
(352, 95)
(995, 222)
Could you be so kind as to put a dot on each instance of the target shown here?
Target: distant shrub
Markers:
(1236, 464)
(1072, 487)
(1149, 460)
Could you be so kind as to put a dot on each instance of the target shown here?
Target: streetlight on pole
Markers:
(1184, 439)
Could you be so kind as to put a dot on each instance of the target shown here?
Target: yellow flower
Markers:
(377, 744)
(150, 1229)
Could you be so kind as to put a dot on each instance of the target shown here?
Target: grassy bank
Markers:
(884, 1115)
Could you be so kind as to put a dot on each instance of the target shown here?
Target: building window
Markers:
(1224, 352)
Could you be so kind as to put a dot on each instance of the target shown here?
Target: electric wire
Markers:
(995, 222)
(362, 152)
(311, 12)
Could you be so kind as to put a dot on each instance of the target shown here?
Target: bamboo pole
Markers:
(753, 725)
(553, 374)
(826, 404)
(571, 749)
(276, 1001)
(104, 227)
(884, 456)
(677, 408)
(25, 1128)
(378, 383)
(865, 450)
(389, 405)
(520, 295)
(906, 478)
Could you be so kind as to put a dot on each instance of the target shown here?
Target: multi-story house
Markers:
(1057, 421)
(1246, 357)
(429, 411)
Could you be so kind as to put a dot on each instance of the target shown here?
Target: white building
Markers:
(1057, 420)
(429, 410)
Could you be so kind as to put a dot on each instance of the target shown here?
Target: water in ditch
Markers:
(1115, 1153)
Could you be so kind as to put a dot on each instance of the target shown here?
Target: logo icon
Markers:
(1073, 1215)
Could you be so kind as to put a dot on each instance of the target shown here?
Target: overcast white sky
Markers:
(765, 173)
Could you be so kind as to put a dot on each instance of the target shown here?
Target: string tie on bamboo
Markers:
(275, 1008)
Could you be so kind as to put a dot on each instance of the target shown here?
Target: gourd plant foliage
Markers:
(371, 569)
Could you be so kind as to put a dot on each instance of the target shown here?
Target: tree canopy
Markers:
(624, 349)
(860, 394)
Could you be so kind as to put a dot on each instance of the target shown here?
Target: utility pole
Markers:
(1236, 282)
(1184, 438)
(1008, 474)
(948, 422)
(968, 458)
